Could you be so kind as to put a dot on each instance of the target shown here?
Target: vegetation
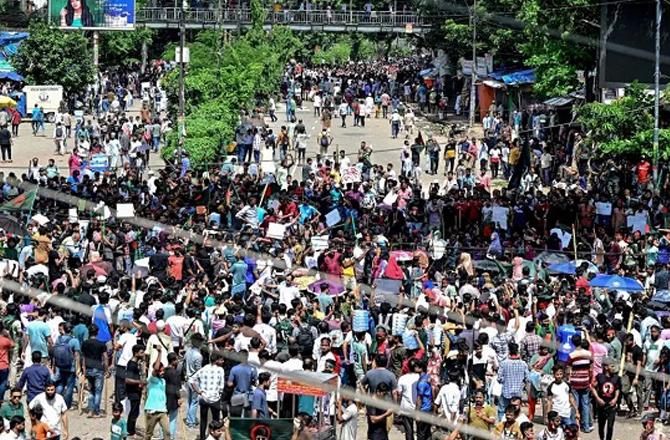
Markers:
(124, 48)
(626, 126)
(51, 56)
(223, 79)
(531, 33)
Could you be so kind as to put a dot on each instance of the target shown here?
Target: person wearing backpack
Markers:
(59, 139)
(65, 359)
(305, 335)
(284, 328)
(325, 139)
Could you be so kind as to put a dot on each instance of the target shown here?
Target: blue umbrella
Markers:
(615, 282)
(570, 267)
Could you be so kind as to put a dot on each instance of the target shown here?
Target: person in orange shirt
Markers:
(38, 429)
(176, 265)
(6, 344)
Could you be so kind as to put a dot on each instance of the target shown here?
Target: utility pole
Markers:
(180, 125)
(657, 80)
(473, 76)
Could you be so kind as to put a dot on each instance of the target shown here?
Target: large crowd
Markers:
(466, 299)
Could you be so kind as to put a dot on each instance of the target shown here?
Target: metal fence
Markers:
(317, 17)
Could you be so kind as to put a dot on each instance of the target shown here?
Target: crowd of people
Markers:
(444, 298)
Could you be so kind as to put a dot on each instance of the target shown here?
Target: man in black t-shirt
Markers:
(94, 368)
(606, 391)
(377, 417)
(134, 385)
(633, 354)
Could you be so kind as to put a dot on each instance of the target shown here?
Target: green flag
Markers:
(21, 202)
(267, 429)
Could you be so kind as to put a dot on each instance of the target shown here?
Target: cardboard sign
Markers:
(333, 218)
(276, 231)
(320, 242)
(603, 208)
(125, 210)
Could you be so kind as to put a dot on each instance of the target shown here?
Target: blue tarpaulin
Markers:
(12, 76)
(514, 77)
(520, 77)
(9, 44)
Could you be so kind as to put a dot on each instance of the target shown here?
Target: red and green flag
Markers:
(22, 202)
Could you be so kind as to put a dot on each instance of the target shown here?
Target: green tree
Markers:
(545, 46)
(221, 81)
(626, 126)
(124, 48)
(51, 56)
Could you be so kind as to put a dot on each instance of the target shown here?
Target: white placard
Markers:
(638, 222)
(41, 219)
(351, 175)
(564, 236)
(83, 227)
(125, 210)
(320, 242)
(276, 231)
(333, 218)
(72, 215)
(603, 208)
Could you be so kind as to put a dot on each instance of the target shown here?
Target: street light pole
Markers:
(473, 76)
(180, 124)
(657, 92)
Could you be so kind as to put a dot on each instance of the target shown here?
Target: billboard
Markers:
(628, 34)
(92, 14)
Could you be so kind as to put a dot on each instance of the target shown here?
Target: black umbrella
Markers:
(11, 225)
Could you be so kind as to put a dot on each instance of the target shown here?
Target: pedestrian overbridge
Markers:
(319, 20)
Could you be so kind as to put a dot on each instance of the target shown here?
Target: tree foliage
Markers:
(625, 126)
(51, 56)
(530, 33)
(221, 80)
(124, 48)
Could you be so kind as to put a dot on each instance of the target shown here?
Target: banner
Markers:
(257, 429)
(351, 174)
(92, 14)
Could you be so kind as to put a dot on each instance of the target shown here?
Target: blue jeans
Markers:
(4, 379)
(95, 379)
(503, 402)
(173, 416)
(192, 408)
(65, 382)
(583, 401)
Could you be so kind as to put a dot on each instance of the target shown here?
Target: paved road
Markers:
(376, 133)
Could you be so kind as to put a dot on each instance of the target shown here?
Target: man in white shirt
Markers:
(267, 332)
(124, 343)
(209, 383)
(347, 415)
(288, 292)
(178, 324)
(54, 409)
(406, 393)
(448, 400)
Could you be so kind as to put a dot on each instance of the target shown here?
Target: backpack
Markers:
(62, 353)
(59, 132)
(324, 141)
(305, 339)
(284, 329)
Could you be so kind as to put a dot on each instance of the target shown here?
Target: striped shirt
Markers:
(580, 362)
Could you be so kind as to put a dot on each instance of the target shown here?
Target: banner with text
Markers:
(92, 14)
